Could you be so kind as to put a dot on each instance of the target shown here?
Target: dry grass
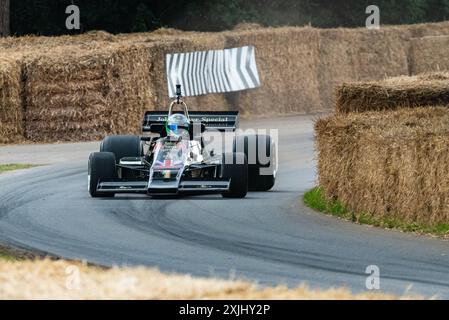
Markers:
(46, 279)
(391, 164)
(400, 92)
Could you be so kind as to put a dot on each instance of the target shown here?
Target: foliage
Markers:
(14, 166)
(48, 16)
(315, 199)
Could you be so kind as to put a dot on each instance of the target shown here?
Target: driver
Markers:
(178, 126)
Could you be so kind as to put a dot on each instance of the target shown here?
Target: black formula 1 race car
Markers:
(172, 158)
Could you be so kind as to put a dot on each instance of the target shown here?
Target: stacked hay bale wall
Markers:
(79, 95)
(67, 78)
(11, 115)
(359, 54)
(287, 61)
(385, 151)
(390, 164)
(286, 58)
(312, 61)
(424, 29)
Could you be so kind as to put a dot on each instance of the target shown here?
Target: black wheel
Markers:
(237, 171)
(101, 168)
(122, 146)
(261, 163)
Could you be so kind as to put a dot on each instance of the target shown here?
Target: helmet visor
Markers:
(172, 127)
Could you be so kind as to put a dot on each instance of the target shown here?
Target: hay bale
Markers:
(287, 60)
(358, 55)
(298, 66)
(390, 164)
(429, 54)
(73, 80)
(394, 93)
(424, 29)
(167, 32)
(11, 115)
(38, 44)
(311, 61)
(336, 54)
(86, 94)
(98, 35)
(243, 26)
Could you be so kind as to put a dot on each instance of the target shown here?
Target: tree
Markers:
(4, 18)
(47, 17)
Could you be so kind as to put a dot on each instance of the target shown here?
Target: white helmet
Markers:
(177, 125)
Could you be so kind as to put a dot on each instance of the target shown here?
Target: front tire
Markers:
(101, 167)
(237, 172)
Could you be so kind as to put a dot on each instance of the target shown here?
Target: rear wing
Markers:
(212, 120)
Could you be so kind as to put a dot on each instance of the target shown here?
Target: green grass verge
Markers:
(15, 254)
(7, 253)
(14, 166)
(6, 256)
(10, 254)
(315, 199)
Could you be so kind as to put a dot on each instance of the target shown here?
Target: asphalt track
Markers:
(267, 237)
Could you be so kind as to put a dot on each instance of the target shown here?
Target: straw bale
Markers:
(399, 92)
(247, 26)
(111, 79)
(424, 29)
(358, 54)
(390, 164)
(11, 114)
(287, 60)
(429, 54)
(167, 32)
(84, 94)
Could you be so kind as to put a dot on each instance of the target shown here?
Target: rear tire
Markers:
(122, 146)
(126, 146)
(101, 168)
(237, 171)
(256, 164)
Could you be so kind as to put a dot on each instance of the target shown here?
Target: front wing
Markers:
(197, 186)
